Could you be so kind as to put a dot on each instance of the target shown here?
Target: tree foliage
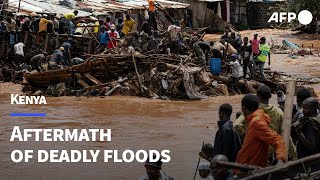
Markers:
(311, 5)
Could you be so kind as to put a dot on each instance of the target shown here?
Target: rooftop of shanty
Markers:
(97, 7)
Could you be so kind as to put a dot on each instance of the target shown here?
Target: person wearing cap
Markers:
(220, 172)
(56, 59)
(154, 172)
(264, 54)
(236, 72)
(204, 171)
(276, 118)
(113, 37)
(281, 98)
(255, 45)
(67, 51)
(128, 25)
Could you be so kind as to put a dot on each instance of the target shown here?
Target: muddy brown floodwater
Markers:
(136, 123)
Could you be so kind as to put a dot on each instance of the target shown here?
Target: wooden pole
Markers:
(314, 159)
(287, 117)
(46, 43)
(195, 174)
(137, 73)
(242, 167)
(19, 5)
(90, 46)
(57, 41)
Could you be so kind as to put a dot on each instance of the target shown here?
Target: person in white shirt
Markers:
(19, 53)
(237, 71)
(204, 171)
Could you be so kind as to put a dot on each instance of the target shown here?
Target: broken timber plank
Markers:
(84, 84)
(93, 79)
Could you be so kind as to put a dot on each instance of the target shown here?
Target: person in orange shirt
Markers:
(152, 18)
(259, 136)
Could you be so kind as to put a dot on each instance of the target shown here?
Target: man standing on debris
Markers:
(152, 17)
(69, 18)
(236, 72)
(308, 130)
(227, 141)
(103, 38)
(276, 118)
(255, 46)
(264, 54)
(154, 171)
(56, 59)
(37, 60)
(174, 32)
(246, 51)
(259, 135)
(201, 48)
(19, 53)
(235, 41)
(220, 172)
(128, 25)
(113, 37)
(145, 26)
(67, 51)
(226, 36)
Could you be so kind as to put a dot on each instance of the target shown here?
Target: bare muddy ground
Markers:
(136, 123)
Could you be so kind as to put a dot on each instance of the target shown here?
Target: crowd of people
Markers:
(255, 139)
(107, 32)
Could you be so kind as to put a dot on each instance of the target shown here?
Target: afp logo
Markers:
(304, 17)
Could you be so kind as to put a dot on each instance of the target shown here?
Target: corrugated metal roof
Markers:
(42, 7)
(97, 6)
(211, 0)
(266, 0)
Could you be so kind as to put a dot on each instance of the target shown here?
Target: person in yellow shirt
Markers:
(264, 54)
(43, 24)
(69, 18)
(128, 25)
(96, 27)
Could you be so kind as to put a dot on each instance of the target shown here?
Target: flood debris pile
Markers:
(129, 72)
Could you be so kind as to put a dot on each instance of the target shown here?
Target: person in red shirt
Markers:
(259, 136)
(113, 37)
(255, 45)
